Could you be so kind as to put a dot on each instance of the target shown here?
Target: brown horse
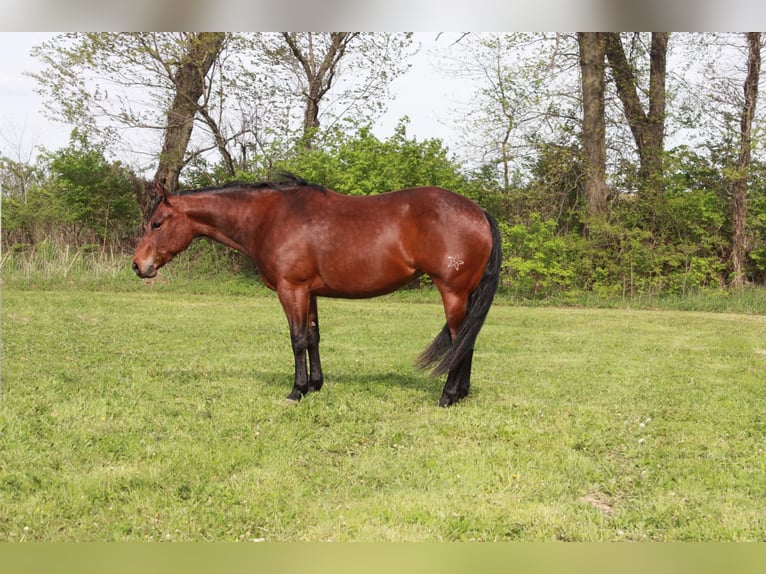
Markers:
(308, 241)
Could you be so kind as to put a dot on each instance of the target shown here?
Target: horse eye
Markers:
(156, 224)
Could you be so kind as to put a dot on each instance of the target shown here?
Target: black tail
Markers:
(442, 348)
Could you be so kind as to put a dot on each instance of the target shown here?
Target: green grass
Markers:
(160, 415)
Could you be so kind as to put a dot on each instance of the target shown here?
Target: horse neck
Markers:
(228, 217)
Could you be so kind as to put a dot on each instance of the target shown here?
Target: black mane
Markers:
(284, 181)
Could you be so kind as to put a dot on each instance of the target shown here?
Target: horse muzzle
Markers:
(147, 273)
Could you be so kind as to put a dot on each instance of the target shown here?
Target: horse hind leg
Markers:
(458, 363)
(458, 382)
(466, 310)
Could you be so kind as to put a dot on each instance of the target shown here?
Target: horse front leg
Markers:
(295, 302)
(316, 378)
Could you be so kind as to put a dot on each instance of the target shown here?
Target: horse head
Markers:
(167, 232)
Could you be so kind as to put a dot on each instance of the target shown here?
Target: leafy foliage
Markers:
(535, 257)
(357, 164)
(675, 244)
(365, 165)
(83, 198)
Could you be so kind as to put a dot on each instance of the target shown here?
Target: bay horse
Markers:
(308, 241)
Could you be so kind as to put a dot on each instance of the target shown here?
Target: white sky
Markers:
(428, 97)
(22, 124)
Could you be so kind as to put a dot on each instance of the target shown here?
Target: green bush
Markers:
(535, 259)
(83, 198)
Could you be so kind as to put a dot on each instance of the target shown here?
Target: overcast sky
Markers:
(426, 95)
(22, 124)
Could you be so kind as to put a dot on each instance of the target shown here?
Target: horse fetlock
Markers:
(315, 386)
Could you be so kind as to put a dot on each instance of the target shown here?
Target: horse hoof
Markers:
(449, 400)
(446, 401)
(294, 397)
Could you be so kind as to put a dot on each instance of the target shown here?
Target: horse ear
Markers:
(162, 193)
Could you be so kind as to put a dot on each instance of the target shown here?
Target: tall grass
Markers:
(210, 268)
(205, 266)
(50, 263)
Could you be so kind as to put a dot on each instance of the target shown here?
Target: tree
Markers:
(739, 183)
(647, 127)
(240, 90)
(108, 84)
(17, 177)
(319, 72)
(592, 53)
(522, 99)
(18, 181)
(721, 110)
(345, 73)
(17, 172)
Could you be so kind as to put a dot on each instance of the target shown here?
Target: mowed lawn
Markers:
(160, 416)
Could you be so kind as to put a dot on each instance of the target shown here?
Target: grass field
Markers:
(154, 415)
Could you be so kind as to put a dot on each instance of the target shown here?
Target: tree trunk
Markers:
(654, 134)
(648, 129)
(189, 80)
(739, 184)
(592, 54)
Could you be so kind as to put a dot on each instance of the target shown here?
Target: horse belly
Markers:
(362, 271)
